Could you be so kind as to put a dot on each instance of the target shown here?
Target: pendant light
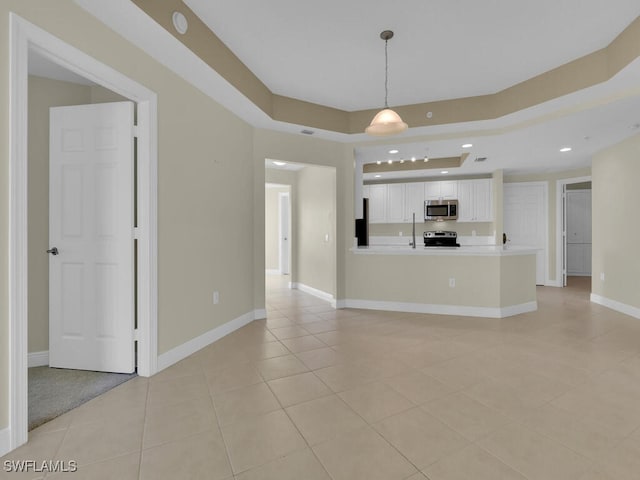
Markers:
(386, 121)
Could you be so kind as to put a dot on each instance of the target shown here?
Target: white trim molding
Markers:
(615, 305)
(560, 187)
(38, 359)
(190, 347)
(259, 314)
(487, 312)
(315, 292)
(24, 38)
(5, 441)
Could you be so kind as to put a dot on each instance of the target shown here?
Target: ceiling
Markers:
(331, 54)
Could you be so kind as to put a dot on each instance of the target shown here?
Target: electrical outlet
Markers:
(452, 282)
(602, 276)
(216, 298)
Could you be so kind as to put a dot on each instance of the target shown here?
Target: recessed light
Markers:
(279, 163)
(426, 159)
(444, 172)
(413, 159)
(377, 176)
(180, 23)
(467, 145)
(378, 162)
(565, 149)
(429, 114)
(393, 151)
(389, 161)
(401, 161)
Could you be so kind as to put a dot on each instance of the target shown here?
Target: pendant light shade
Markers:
(386, 121)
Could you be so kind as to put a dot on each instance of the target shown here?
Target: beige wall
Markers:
(205, 226)
(271, 226)
(615, 201)
(551, 180)
(315, 224)
(579, 186)
(480, 281)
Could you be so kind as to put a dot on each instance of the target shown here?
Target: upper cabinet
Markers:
(475, 200)
(445, 190)
(377, 203)
(397, 202)
(414, 202)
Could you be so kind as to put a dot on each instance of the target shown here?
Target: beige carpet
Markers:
(54, 391)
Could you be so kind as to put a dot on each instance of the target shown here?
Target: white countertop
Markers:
(476, 250)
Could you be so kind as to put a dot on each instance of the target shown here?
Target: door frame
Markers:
(24, 36)
(281, 248)
(561, 242)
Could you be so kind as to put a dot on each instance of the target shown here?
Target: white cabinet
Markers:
(475, 200)
(579, 259)
(414, 202)
(377, 203)
(395, 203)
(578, 232)
(445, 190)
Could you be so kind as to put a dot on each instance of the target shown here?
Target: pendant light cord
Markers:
(386, 75)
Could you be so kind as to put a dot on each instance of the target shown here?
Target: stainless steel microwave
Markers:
(440, 210)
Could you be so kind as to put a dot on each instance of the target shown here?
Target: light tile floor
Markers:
(314, 393)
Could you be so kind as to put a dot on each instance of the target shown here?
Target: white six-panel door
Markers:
(525, 220)
(91, 279)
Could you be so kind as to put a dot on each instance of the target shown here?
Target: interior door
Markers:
(91, 268)
(285, 216)
(525, 221)
(578, 237)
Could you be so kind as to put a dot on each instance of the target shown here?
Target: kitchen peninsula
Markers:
(482, 281)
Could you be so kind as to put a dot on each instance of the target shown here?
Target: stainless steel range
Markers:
(440, 238)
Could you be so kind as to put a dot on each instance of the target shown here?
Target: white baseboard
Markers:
(315, 292)
(192, 346)
(615, 305)
(272, 271)
(341, 304)
(487, 312)
(38, 359)
(259, 314)
(5, 441)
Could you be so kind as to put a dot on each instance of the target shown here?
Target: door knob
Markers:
(53, 251)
